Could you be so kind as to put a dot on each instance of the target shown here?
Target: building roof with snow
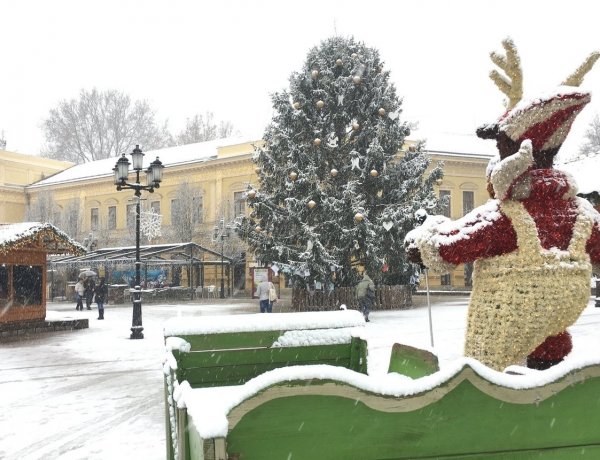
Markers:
(170, 156)
(456, 144)
(44, 236)
(443, 144)
(586, 173)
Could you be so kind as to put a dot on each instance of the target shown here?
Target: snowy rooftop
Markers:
(453, 144)
(171, 156)
(13, 233)
(586, 173)
(456, 143)
(247, 323)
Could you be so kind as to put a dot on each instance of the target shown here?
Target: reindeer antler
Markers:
(512, 83)
(576, 78)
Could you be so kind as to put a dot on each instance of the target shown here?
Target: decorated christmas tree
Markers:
(334, 193)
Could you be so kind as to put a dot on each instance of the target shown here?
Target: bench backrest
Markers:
(243, 356)
(223, 357)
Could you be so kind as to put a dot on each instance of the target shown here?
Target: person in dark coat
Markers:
(101, 292)
(365, 292)
(89, 287)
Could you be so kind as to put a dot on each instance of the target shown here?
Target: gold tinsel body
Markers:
(519, 299)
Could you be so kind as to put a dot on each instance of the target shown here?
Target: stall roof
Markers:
(155, 254)
(37, 235)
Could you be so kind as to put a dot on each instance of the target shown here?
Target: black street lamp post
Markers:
(153, 180)
(222, 231)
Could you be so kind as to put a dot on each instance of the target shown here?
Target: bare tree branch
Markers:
(101, 124)
(591, 145)
(202, 128)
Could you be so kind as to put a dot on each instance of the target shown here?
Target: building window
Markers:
(112, 217)
(468, 202)
(239, 204)
(130, 215)
(445, 203)
(94, 219)
(445, 280)
(155, 206)
(56, 218)
(175, 210)
(198, 209)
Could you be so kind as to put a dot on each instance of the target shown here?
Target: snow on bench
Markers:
(220, 351)
(466, 409)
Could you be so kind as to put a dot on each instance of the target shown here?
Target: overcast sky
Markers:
(227, 56)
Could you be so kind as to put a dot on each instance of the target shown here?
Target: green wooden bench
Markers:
(468, 412)
(221, 351)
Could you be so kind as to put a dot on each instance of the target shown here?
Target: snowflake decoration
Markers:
(150, 224)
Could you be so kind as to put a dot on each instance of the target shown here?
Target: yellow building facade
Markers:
(215, 174)
(16, 172)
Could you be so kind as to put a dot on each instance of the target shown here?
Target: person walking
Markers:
(101, 292)
(89, 287)
(79, 292)
(414, 282)
(262, 292)
(365, 292)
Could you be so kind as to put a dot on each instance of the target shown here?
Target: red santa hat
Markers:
(545, 120)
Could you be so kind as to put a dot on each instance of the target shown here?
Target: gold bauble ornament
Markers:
(358, 217)
(296, 105)
(317, 141)
(354, 55)
(374, 173)
(293, 175)
(355, 126)
(258, 229)
(338, 62)
(320, 104)
(333, 172)
(381, 111)
(257, 170)
(311, 204)
(314, 73)
(251, 193)
(356, 79)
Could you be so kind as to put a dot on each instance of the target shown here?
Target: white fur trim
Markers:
(505, 173)
(424, 239)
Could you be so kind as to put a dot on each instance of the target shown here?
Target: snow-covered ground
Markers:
(96, 394)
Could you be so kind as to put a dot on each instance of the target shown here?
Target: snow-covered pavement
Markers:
(96, 394)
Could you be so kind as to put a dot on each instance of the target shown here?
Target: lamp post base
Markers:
(222, 295)
(136, 332)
